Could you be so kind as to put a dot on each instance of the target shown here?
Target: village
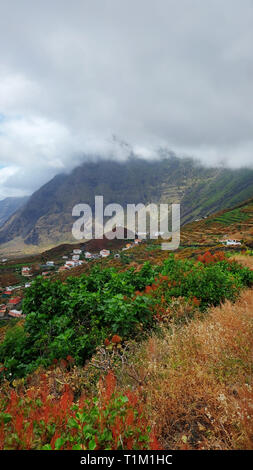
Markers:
(12, 296)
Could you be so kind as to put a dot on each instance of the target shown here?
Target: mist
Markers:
(107, 79)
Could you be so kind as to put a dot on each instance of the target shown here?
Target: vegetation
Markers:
(196, 380)
(102, 360)
(36, 418)
(232, 217)
(46, 219)
(76, 316)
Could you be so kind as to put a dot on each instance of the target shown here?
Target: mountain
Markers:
(9, 205)
(46, 219)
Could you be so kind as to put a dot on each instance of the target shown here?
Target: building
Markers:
(88, 255)
(158, 234)
(26, 271)
(75, 257)
(15, 313)
(232, 242)
(70, 264)
(104, 253)
(77, 252)
(15, 303)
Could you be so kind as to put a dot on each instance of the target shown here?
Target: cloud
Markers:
(165, 73)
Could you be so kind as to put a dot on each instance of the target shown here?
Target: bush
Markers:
(34, 419)
(74, 317)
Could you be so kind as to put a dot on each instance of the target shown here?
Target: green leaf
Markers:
(59, 443)
(72, 423)
(92, 445)
(47, 447)
(77, 447)
(5, 417)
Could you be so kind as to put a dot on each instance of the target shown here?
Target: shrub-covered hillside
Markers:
(76, 316)
(184, 384)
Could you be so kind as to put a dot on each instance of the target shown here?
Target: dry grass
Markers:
(244, 260)
(197, 381)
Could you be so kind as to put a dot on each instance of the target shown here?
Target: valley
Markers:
(123, 334)
(45, 220)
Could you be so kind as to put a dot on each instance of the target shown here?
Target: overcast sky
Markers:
(154, 73)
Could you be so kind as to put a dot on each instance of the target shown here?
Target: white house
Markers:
(50, 263)
(232, 242)
(15, 313)
(77, 252)
(75, 257)
(104, 253)
(158, 234)
(26, 271)
(70, 264)
(87, 255)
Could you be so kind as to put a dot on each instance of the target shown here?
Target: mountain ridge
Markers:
(9, 206)
(47, 218)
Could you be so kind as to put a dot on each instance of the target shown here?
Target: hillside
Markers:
(112, 351)
(9, 205)
(46, 218)
(132, 332)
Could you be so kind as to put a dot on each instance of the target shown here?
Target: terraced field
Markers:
(233, 217)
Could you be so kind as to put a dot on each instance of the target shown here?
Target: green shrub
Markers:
(74, 317)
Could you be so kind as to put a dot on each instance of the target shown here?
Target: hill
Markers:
(46, 218)
(133, 331)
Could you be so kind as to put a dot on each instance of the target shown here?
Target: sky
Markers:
(106, 77)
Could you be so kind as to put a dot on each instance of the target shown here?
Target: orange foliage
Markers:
(116, 339)
(208, 258)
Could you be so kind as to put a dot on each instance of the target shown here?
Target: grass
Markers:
(232, 217)
(196, 381)
(193, 379)
(244, 260)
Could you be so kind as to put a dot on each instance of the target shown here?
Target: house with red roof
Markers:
(14, 303)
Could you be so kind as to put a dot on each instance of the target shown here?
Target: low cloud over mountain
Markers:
(176, 75)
